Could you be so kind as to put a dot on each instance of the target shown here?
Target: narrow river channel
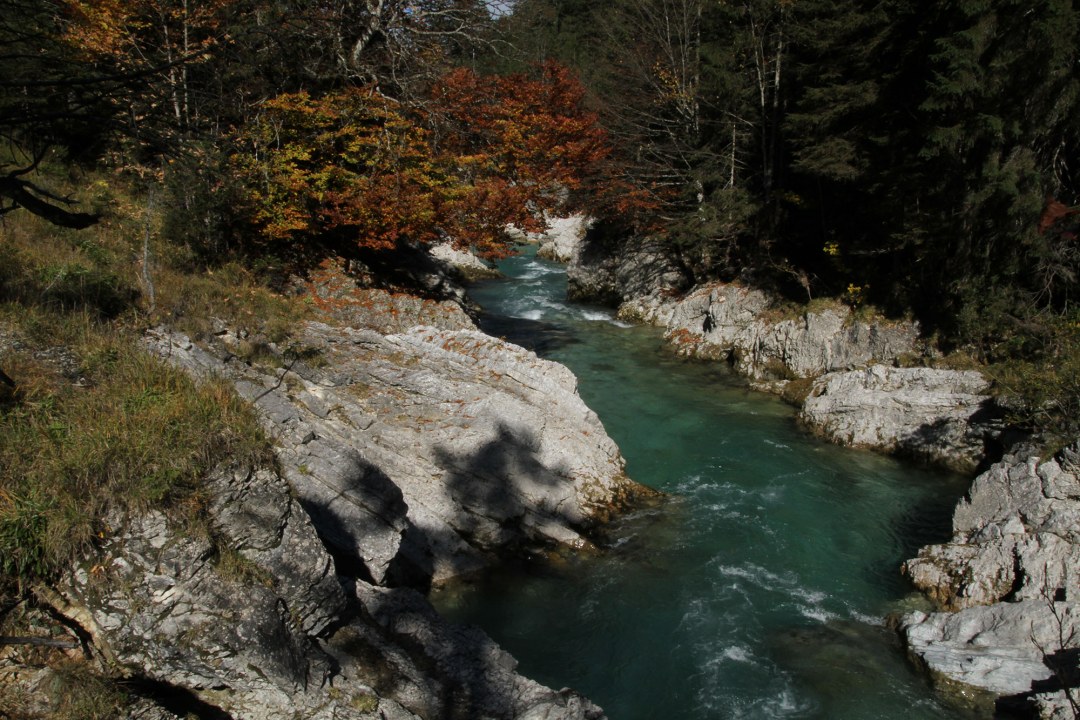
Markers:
(759, 590)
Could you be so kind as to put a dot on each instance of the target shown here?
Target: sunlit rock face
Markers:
(1007, 583)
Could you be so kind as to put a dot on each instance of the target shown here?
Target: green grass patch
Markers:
(136, 434)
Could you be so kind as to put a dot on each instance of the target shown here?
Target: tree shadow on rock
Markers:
(441, 670)
(500, 500)
(361, 508)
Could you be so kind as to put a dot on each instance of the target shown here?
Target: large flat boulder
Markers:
(428, 453)
(939, 416)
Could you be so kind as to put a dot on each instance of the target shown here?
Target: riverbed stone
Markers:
(945, 417)
(1007, 582)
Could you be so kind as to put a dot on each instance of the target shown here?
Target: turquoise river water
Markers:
(759, 590)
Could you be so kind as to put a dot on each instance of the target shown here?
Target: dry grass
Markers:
(95, 423)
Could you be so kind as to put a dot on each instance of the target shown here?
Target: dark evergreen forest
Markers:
(915, 154)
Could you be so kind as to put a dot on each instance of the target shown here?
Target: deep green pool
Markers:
(759, 590)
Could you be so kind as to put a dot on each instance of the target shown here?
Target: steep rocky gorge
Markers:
(407, 454)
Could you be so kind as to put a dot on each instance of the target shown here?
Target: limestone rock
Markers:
(1002, 648)
(166, 604)
(235, 624)
(470, 266)
(430, 452)
(563, 239)
(729, 321)
(1016, 537)
(638, 277)
(940, 416)
(1009, 577)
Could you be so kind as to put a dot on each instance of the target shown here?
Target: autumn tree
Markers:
(356, 168)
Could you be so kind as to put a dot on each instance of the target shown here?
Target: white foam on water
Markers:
(595, 315)
(530, 314)
(772, 494)
(535, 270)
(759, 576)
(777, 445)
(816, 613)
(865, 619)
(785, 704)
(738, 654)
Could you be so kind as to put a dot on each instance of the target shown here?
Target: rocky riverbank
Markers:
(1007, 586)
(1006, 629)
(850, 374)
(406, 455)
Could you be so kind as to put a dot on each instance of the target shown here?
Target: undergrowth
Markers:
(95, 424)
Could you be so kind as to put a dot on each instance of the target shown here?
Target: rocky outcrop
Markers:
(247, 617)
(638, 277)
(429, 453)
(563, 239)
(1007, 582)
(745, 326)
(466, 264)
(944, 417)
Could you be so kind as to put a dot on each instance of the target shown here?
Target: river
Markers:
(759, 590)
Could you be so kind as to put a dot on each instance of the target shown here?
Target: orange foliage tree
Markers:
(482, 153)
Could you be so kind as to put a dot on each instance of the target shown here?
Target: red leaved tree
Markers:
(479, 155)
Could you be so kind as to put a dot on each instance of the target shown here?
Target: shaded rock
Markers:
(255, 515)
(406, 652)
(468, 265)
(639, 277)
(939, 416)
(159, 603)
(217, 637)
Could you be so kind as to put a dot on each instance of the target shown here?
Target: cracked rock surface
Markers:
(428, 453)
(1007, 583)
